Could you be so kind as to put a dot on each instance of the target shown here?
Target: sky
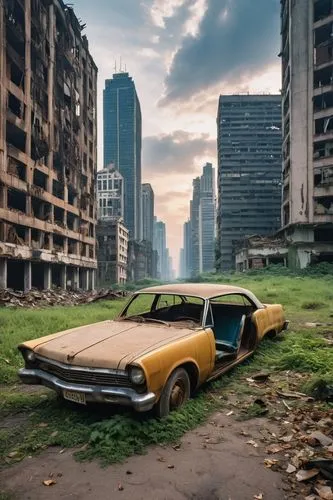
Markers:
(182, 54)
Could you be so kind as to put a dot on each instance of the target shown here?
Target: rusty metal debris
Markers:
(55, 297)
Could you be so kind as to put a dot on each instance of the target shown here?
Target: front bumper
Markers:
(93, 393)
(285, 325)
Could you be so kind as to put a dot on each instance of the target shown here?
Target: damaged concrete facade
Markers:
(47, 147)
(307, 103)
(258, 252)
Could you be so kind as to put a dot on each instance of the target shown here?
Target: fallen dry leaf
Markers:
(49, 482)
(305, 475)
(290, 469)
(252, 442)
(43, 424)
(54, 434)
(230, 413)
(268, 462)
(274, 448)
(325, 492)
(120, 487)
(260, 496)
(161, 459)
(321, 438)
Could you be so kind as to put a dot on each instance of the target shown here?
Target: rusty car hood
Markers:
(108, 344)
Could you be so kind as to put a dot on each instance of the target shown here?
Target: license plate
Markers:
(75, 397)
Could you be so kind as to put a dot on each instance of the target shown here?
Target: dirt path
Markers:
(214, 462)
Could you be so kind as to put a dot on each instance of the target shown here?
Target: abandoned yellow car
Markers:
(165, 343)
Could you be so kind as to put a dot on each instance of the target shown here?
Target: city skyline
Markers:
(179, 132)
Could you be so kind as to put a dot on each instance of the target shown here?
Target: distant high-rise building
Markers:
(161, 248)
(110, 194)
(307, 103)
(207, 220)
(187, 248)
(112, 252)
(194, 217)
(249, 170)
(122, 143)
(147, 213)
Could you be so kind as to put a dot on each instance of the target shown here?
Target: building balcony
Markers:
(323, 137)
(325, 161)
(324, 190)
(323, 113)
(322, 218)
(323, 65)
(322, 22)
(324, 89)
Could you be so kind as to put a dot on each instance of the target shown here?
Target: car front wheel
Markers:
(175, 393)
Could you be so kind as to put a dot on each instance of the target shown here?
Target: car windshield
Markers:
(166, 309)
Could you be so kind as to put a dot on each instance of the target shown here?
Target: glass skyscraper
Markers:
(122, 143)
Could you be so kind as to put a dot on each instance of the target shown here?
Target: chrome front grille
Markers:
(82, 376)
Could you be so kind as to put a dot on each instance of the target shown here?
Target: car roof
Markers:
(200, 290)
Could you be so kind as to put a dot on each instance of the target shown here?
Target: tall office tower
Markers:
(307, 104)
(249, 170)
(48, 154)
(187, 248)
(194, 218)
(122, 143)
(160, 246)
(110, 194)
(147, 213)
(207, 215)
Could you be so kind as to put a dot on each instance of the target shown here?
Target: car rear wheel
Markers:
(175, 393)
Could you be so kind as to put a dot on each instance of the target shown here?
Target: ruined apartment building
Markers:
(47, 147)
(307, 99)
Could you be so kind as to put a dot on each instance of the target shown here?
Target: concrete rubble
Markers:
(55, 297)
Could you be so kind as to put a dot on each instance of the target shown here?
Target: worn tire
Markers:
(175, 393)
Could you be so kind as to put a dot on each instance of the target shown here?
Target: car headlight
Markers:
(137, 375)
(29, 356)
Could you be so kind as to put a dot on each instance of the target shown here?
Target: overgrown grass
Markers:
(24, 324)
(36, 421)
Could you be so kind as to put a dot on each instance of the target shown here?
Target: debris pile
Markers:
(56, 297)
(301, 445)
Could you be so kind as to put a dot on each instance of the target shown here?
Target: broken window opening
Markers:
(72, 221)
(323, 234)
(323, 205)
(59, 216)
(16, 106)
(84, 250)
(322, 9)
(323, 101)
(324, 125)
(72, 196)
(91, 251)
(40, 179)
(16, 234)
(72, 247)
(15, 274)
(16, 168)
(58, 189)
(41, 209)
(58, 242)
(16, 75)
(286, 215)
(56, 275)
(16, 200)
(37, 275)
(15, 136)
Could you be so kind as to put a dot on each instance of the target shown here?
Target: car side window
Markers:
(232, 299)
(168, 301)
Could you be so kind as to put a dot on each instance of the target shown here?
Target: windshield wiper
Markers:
(141, 319)
(158, 321)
